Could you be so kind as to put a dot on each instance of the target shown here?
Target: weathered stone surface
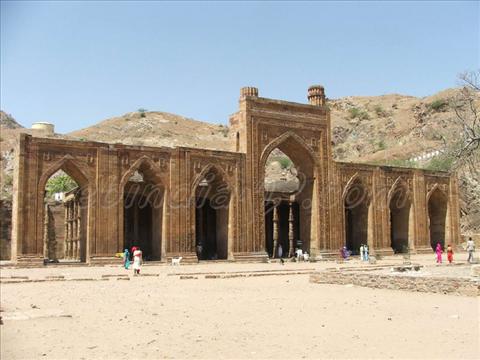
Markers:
(451, 286)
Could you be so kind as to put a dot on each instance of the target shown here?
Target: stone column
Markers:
(275, 231)
(65, 240)
(45, 233)
(72, 229)
(78, 220)
(291, 236)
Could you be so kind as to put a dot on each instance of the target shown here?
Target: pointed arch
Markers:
(137, 165)
(399, 183)
(282, 139)
(400, 216)
(357, 219)
(70, 166)
(211, 215)
(205, 171)
(437, 212)
(435, 188)
(307, 197)
(356, 178)
(142, 210)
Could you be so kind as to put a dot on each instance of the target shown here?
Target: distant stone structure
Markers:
(211, 205)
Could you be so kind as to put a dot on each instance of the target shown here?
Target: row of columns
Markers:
(72, 229)
(291, 236)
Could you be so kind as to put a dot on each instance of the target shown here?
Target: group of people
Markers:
(470, 250)
(439, 252)
(136, 255)
(300, 255)
(363, 251)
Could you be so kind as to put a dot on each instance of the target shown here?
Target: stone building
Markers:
(205, 204)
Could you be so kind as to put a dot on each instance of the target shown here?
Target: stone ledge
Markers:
(439, 285)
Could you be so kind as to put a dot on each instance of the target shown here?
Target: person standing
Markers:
(449, 253)
(299, 254)
(126, 259)
(470, 249)
(305, 256)
(361, 253)
(137, 260)
(365, 252)
(438, 251)
(280, 251)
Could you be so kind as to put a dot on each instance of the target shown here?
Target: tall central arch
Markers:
(306, 197)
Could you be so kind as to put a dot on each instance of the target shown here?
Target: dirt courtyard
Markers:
(280, 316)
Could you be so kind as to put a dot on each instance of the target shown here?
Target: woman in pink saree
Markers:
(438, 251)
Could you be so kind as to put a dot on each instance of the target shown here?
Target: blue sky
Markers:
(76, 63)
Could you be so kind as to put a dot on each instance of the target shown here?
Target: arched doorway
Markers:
(143, 208)
(63, 205)
(212, 216)
(282, 210)
(290, 182)
(357, 216)
(437, 213)
(400, 209)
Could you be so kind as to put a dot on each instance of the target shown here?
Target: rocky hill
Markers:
(154, 128)
(390, 129)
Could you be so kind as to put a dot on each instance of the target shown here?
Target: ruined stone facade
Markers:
(207, 204)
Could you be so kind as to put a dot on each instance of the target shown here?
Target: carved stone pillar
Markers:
(275, 231)
(291, 249)
(65, 240)
(78, 221)
(72, 229)
(45, 233)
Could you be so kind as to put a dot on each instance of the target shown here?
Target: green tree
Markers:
(60, 183)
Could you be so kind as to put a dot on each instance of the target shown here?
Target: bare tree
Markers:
(466, 106)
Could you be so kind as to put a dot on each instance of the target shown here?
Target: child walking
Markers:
(449, 253)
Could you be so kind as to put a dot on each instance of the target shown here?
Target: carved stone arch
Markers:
(356, 178)
(400, 216)
(205, 171)
(433, 189)
(309, 216)
(438, 215)
(136, 166)
(398, 183)
(280, 140)
(153, 245)
(71, 167)
(223, 229)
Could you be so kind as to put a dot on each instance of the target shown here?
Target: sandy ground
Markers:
(256, 317)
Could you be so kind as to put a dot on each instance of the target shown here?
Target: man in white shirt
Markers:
(470, 249)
